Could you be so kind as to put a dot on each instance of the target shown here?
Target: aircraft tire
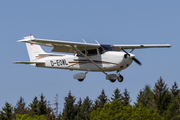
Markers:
(80, 80)
(112, 80)
(120, 78)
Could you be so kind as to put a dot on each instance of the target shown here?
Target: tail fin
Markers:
(33, 49)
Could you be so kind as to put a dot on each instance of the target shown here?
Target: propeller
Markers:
(135, 60)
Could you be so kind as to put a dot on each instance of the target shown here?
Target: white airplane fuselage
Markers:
(88, 57)
(108, 61)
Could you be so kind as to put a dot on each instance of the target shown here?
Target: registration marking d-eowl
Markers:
(58, 62)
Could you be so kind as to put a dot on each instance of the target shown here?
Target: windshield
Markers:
(109, 47)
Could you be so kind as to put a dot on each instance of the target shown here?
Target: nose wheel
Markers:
(120, 78)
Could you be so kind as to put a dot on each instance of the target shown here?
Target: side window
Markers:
(80, 55)
(100, 50)
(91, 52)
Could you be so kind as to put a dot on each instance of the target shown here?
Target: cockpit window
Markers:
(100, 50)
(91, 52)
(80, 55)
(109, 47)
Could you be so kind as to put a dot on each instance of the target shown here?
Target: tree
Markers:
(144, 113)
(20, 107)
(175, 91)
(173, 110)
(126, 98)
(7, 112)
(161, 96)
(27, 117)
(50, 114)
(117, 95)
(144, 97)
(84, 110)
(42, 105)
(102, 98)
(69, 111)
(116, 111)
(95, 105)
(34, 107)
(78, 109)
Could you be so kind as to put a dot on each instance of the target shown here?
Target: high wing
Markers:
(140, 46)
(70, 47)
(60, 46)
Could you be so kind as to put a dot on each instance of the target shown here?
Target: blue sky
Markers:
(109, 22)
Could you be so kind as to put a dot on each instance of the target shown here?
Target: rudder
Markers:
(33, 50)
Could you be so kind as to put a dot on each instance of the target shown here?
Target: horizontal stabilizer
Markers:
(21, 62)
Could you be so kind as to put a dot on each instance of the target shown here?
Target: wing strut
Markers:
(91, 61)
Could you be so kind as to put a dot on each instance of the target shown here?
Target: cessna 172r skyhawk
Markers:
(86, 57)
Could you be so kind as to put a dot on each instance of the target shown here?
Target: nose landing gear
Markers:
(120, 78)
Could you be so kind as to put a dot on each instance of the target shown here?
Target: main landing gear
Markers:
(114, 77)
(119, 78)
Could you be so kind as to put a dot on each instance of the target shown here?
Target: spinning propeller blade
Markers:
(137, 61)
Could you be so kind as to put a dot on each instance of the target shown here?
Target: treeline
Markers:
(159, 103)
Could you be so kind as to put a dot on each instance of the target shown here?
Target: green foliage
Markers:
(158, 103)
(20, 107)
(7, 112)
(42, 105)
(117, 95)
(116, 111)
(102, 98)
(173, 109)
(143, 113)
(84, 109)
(26, 117)
(144, 97)
(34, 107)
(175, 91)
(112, 111)
(69, 111)
(161, 96)
(126, 98)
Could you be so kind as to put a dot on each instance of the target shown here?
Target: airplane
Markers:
(84, 56)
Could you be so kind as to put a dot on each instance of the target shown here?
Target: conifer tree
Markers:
(34, 107)
(78, 109)
(95, 104)
(144, 97)
(7, 112)
(126, 98)
(175, 91)
(161, 95)
(102, 98)
(20, 107)
(86, 108)
(42, 105)
(117, 95)
(69, 111)
(173, 109)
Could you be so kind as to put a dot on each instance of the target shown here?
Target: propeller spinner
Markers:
(135, 60)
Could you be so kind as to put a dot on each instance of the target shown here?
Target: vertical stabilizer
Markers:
(34, 51)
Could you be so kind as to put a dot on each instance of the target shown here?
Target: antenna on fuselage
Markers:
(84, 40)
(97, 42)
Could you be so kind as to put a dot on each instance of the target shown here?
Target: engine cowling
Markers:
(112, 77)
(79, 76)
